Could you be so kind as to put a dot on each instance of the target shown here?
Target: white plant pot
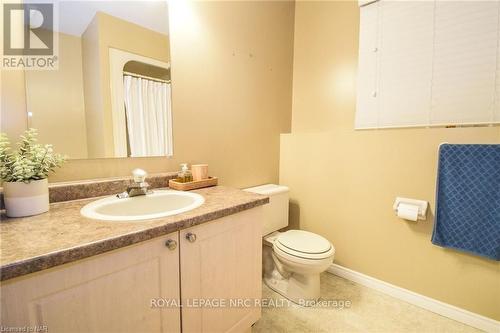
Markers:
(26, 199)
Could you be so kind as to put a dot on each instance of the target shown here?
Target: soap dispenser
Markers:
(185, 174)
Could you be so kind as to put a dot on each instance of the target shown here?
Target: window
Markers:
(428, 63)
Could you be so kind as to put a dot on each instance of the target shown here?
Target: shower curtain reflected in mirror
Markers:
(149, 117)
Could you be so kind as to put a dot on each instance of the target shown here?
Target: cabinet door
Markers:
(223, 264)
(111, 292)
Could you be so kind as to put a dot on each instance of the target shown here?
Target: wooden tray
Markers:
(175, 185)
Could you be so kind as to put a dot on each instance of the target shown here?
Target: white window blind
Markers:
(428, 63)
(367, 66)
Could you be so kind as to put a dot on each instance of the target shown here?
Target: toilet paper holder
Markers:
(422, 206)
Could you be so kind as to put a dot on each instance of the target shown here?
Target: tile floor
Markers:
(370, 311)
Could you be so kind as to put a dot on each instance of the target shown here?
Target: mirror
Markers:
(111, 93)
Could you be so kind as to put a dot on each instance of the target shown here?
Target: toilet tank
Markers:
(276, 212)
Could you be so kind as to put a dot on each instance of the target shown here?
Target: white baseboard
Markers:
(444, 309)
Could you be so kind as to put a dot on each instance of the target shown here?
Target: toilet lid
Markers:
(303, 243)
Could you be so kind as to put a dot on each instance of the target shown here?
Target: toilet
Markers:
(294, 259)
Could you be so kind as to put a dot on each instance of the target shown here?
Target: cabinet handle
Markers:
(171, 244)
(191, 237)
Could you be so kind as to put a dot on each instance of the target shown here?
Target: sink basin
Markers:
(160, 203)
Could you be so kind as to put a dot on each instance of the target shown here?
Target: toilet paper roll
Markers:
(408, 212)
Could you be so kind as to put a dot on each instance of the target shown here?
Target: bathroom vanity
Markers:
(74, 274)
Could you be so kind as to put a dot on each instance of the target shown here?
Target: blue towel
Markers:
(468, 199)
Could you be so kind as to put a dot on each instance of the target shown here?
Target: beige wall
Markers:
(61, 110)
(13, 117)
(231, 92)
(93, 89)
(344, 182)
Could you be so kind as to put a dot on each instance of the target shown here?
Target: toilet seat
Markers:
(304, 245)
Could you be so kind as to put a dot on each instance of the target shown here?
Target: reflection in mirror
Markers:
(110, 96)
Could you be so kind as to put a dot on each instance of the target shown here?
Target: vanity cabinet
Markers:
(111, 292)
(116, 291)
(221, 263)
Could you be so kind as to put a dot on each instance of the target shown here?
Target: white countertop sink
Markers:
(160, 203)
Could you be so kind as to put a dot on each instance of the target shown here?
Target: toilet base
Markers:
(301, 289)
(298, 282)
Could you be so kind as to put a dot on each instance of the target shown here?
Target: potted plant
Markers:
(24, 174)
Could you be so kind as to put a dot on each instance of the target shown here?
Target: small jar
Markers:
(185, 175)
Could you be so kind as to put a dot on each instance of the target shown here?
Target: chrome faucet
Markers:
(138, 187)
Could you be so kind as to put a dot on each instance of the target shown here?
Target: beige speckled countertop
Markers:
(62, 235)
